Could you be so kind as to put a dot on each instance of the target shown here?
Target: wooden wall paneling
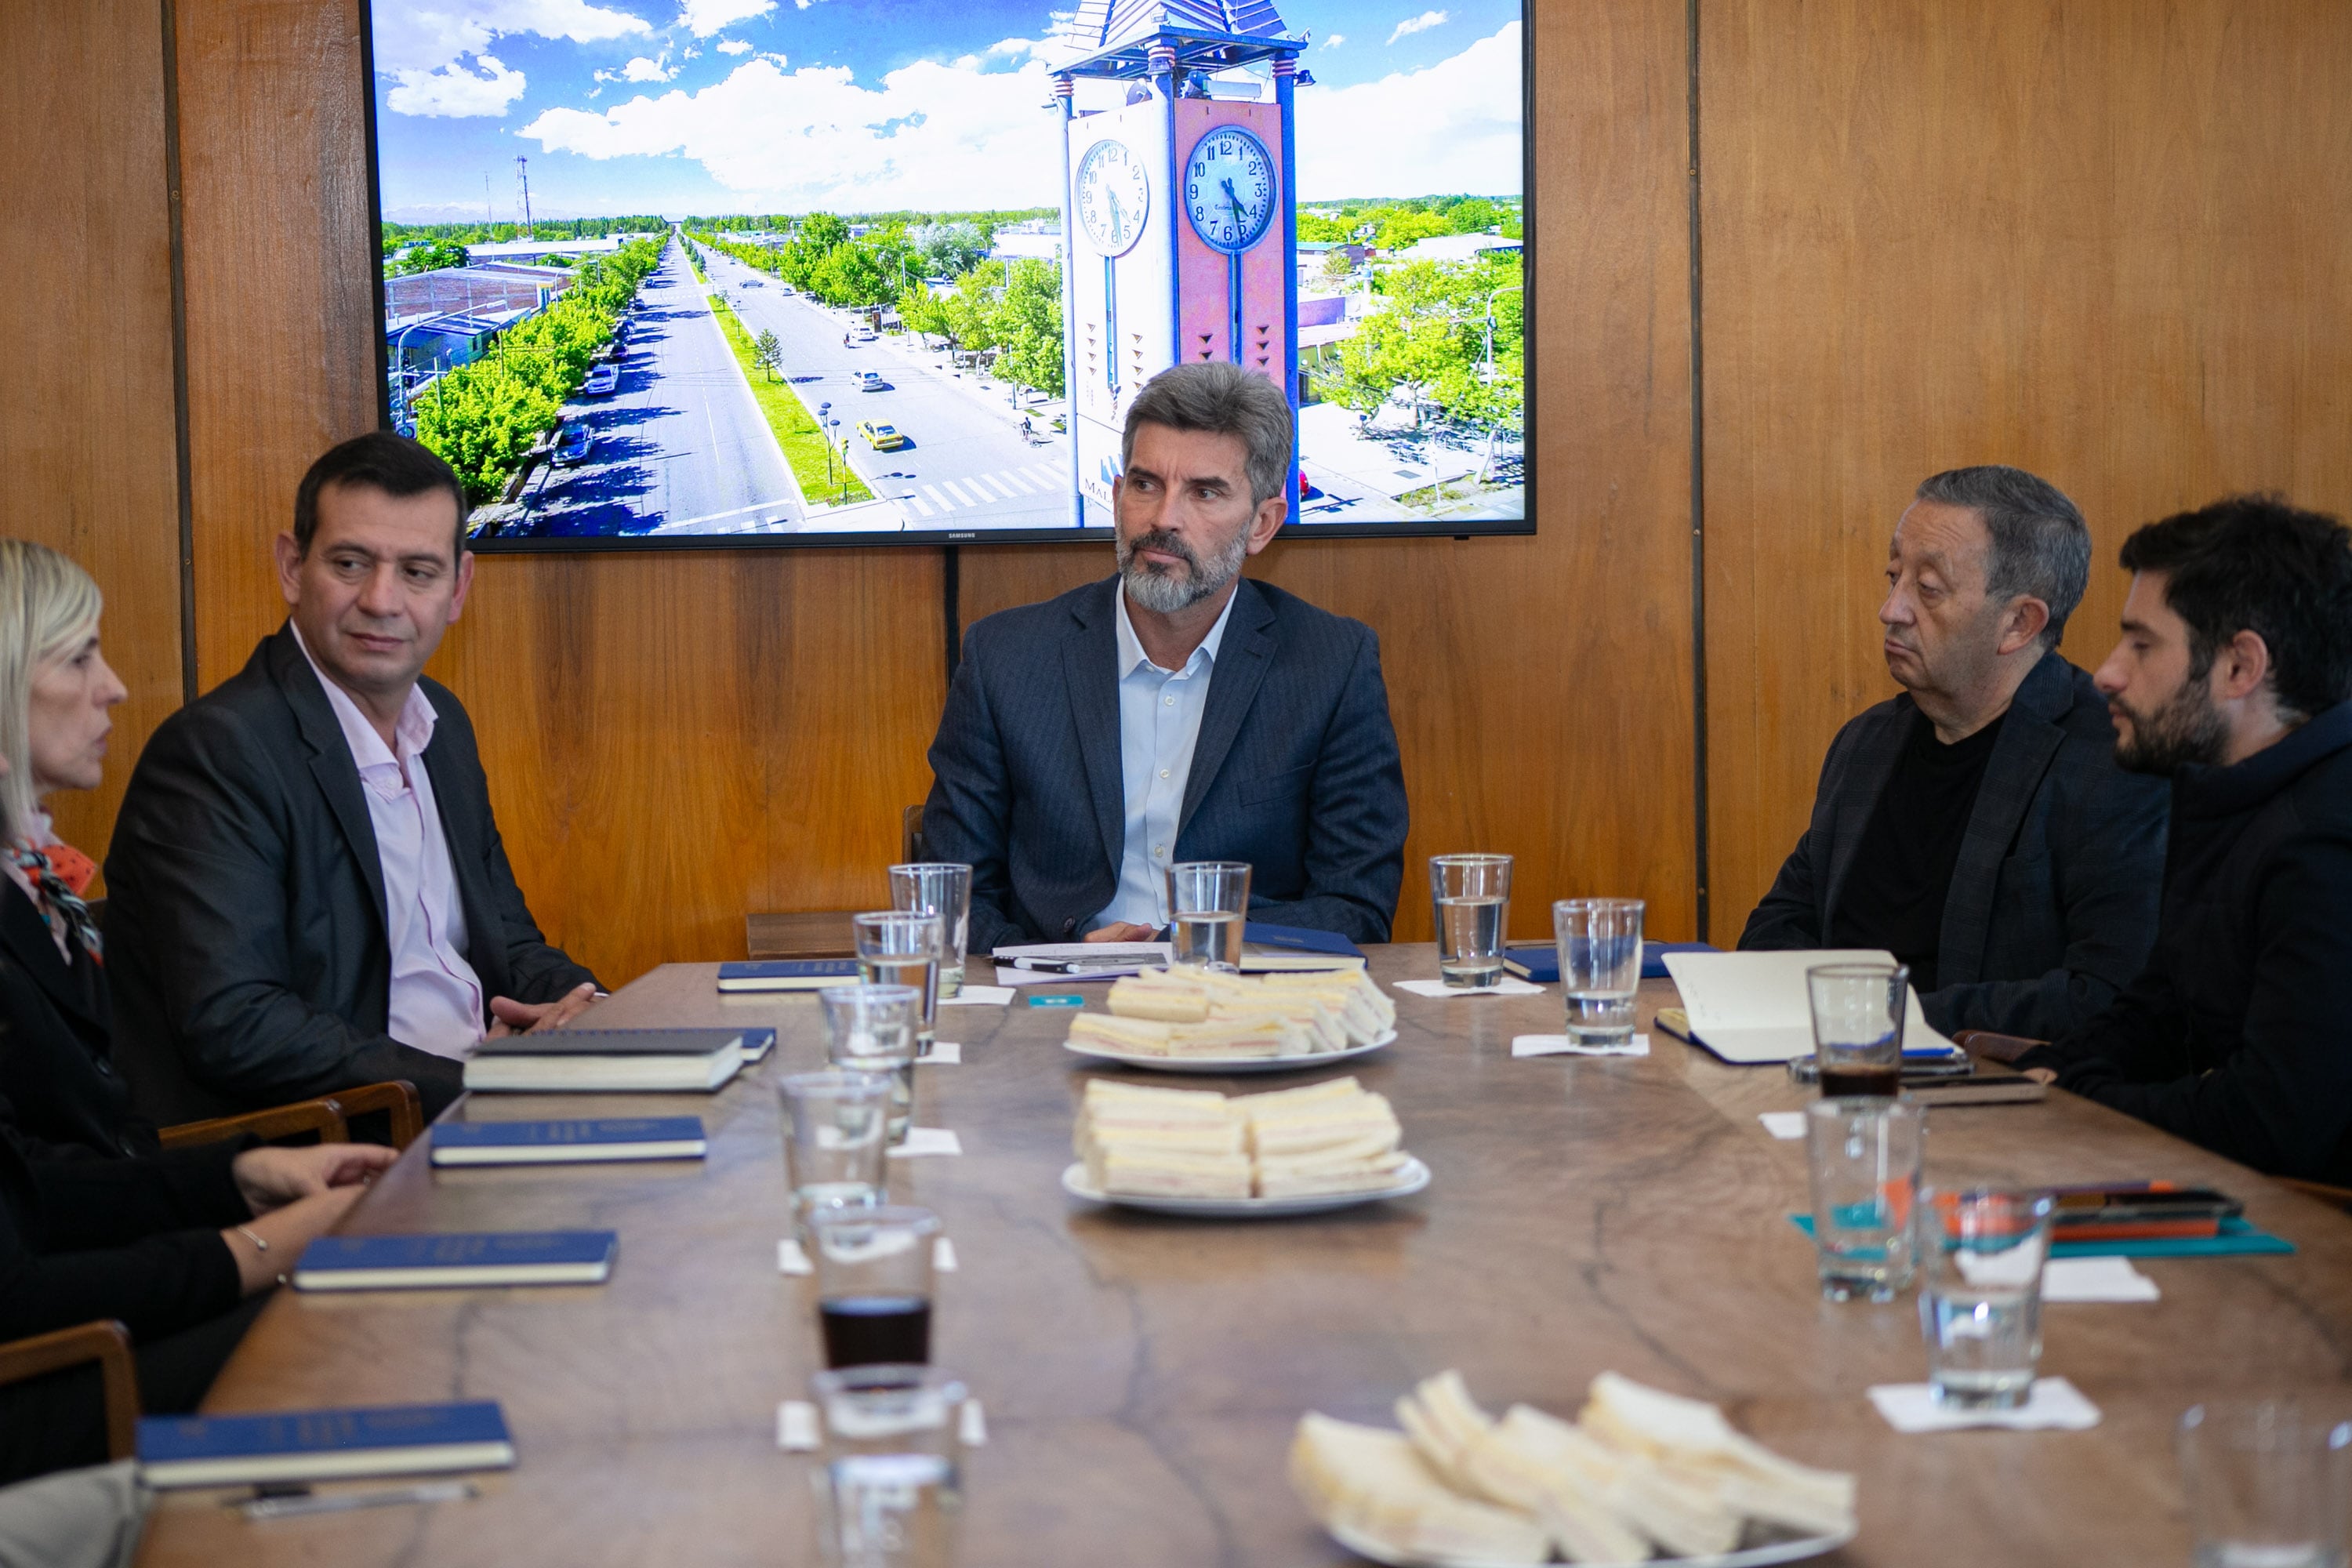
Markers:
(676, 740)
(281, 315)
(87, 426)
(2104, 242)
(1541, 685)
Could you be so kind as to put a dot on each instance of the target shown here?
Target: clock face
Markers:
(1114, 197)
(1229, 189)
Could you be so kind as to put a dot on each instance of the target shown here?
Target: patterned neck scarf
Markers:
(61, 872)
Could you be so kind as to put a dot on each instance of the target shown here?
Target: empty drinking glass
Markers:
(871, 1028)
(945, 890)
(1208, 903)
(891, 1489)
(1864, 1156)
(902, 947)
(1472, 899)
(1858, 1012)
(1981, 1308)
(835, 1128)
(1600, 943)
(873, 1284)
(2268, 1483)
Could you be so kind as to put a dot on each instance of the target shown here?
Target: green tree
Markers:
(925, 315)
(430, 256)
(1029, 328)
(1472, 215)
(768, 351)
(822, 231)
(948, 249)
(1432, 339)
(1337, 267)
(1314, 227)
(1402, 229)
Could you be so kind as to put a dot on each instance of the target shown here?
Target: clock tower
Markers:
(1180, 220)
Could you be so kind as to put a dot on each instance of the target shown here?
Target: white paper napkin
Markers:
(944, 1053)
(796, 1427)
(979, 996)
(972, 1425)
(2054, 1402)
(1509, 986)
(2097, 1279)
(927, 1141)
(1783, 1123)
(943, 1258)
(1561, 1046)
(791, 1258)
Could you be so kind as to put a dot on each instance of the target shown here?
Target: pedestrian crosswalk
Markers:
(941, 497)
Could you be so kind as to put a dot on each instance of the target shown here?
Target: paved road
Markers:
(966, 464)
(681, 447)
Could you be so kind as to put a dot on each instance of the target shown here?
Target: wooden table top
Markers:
(1143, 1375)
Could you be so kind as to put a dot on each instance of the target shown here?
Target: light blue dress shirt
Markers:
(1158, 722)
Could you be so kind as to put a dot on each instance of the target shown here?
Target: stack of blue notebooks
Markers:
(324, 1445)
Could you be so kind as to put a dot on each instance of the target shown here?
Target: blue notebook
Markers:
(456, 1261)
(2236, 1239)
(1299, 939)
(786, 974)
(569, 1142)
(323, 1445)
(1541, 964)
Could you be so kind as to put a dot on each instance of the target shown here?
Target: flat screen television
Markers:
(726, 272)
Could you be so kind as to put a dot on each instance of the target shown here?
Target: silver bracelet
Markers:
(258, 1245)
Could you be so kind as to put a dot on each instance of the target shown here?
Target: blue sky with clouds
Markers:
(677, 105)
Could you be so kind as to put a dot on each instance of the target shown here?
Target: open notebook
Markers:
(1753, 1006)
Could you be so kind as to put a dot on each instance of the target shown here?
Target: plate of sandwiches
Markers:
(1640, 1477)
(1190, 1021)
(1330, 1146)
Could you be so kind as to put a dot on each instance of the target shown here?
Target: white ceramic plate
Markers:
(1230, 1064)
(1795, 1551)
(1410, 1180)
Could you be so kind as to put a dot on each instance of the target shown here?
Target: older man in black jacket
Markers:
(2234, 678)
(306, 891)
(1977, 827)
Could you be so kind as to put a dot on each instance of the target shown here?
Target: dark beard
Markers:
(2188, 729)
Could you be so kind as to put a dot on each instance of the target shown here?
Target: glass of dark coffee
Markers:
(874, 1285)
(1858, 1012)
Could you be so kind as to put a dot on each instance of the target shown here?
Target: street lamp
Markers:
(1486, 467)
(824, 410)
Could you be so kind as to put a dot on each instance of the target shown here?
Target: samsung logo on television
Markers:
(966, 534)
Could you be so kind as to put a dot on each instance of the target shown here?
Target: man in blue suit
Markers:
(1176, 711)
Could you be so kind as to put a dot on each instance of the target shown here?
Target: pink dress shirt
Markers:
(436, 998)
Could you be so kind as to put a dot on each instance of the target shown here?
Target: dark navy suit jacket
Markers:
(1295, 769)
(2052, 909)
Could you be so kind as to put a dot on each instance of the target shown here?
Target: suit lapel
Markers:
(1240, 669)
(1874, 757)
(2028, 741)
(330, 762)
(1091, 670)
(27, 938)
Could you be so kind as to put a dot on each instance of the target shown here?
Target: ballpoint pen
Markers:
(342, 1502)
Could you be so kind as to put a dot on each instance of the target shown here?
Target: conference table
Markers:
(1143, 1375)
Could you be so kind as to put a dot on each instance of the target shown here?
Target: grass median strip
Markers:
(796, 431)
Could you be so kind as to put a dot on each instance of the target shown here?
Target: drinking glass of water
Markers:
(1208, 901)
(836, 1125)
(1863, 1155)
(1600, 943)
(902, 947)
(945, 890)
(892, 1487)
(1858, 1012)
(871, 1028)
(873, 1284)
(1473, 895)
(1981, 1308)
(2268, 1483)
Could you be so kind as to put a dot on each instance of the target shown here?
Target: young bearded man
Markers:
(1177, 711)
(2232, 680)
(1976, 826)
(306, 889)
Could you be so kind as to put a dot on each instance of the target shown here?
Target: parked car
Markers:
(601, 381)
(753, 283)
(881, 437)
(870, 381)
(574, 447)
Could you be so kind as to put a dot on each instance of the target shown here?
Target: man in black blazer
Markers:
(1177, 711)
(306, 890)
(1977, 826)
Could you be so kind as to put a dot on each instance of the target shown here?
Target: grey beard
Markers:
(1165, 593)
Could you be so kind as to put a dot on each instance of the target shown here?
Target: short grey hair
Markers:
(2041, 545)
(49, 606)
(1223, 400)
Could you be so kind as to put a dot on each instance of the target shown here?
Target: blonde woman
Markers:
(58, 1074)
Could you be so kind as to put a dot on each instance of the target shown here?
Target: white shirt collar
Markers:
(413, 732)
(1131, 647)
